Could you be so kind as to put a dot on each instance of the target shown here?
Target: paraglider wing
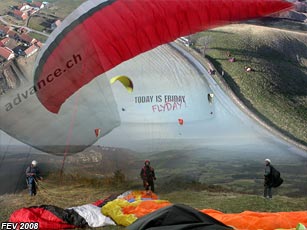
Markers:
(127, 83)
(97, 132)
(101, 34)
(180, 121)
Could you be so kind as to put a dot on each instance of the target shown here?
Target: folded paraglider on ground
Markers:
(140, 210)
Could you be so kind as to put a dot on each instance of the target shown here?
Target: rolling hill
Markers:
(275, 89)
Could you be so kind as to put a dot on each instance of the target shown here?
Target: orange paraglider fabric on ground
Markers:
(132, 205)
(125, 213)
(145, 207)
(260, 220)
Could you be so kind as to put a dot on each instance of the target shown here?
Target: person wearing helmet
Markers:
(148, 176)
(32, 175)
(268, 179)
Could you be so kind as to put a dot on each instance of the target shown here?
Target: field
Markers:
(39, 37)
(72, 191)
(61, 8)
(275, 89)
(57, 9)
(5, 5)
(229, 171)
(37, 23)
(201, 178)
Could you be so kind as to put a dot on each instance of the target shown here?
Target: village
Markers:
(17, 44)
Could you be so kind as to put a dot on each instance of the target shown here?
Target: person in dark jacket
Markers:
(148, 176)
(268, 179)
(32, 175)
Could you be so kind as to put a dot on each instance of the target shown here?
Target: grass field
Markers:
(276, 88)
(5, 5)
(57, 9)
(37, 23)
(73, 191)
(62, 8)
(201, 178)
(280, 24)
(228, 171)
(39, 37)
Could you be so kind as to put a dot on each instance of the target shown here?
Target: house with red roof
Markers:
(4, 30)
(5, 40)
(38, 44)
(11, 44)
(6, 53)
(12, 34)
(31, 50)
(27, 39)
(20, 15)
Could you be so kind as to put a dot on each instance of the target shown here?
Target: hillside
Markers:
(74, 191)
(96, 162)
(231, 171)
(201, 178)
(275, 89)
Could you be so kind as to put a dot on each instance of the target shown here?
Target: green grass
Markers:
(76, 190)
(58, 9)
(37, 23)
(5, 5)
(14, 21)
(280, 23)
(235, 202)
(62, 8)
(228, 171)
(276, 89)
(39, 37)
(200, 178)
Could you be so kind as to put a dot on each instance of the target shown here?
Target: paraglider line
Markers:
(72, 122)
(24, 166)
(5, 152)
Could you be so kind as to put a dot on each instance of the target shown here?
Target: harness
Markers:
(150, 172)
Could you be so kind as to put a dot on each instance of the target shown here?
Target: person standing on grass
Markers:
(32, 175)
(268, 179)
(148, 176)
